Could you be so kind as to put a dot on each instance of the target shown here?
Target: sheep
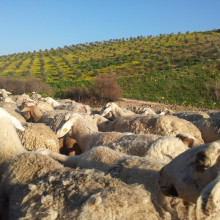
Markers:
(208, 203)
(147, 111)
(35, 96)
(209, 128)
(135, 144)
(55, 119)
(45, 106)
(5, 97)
(131, 170)
(13, 110)
(165, 125)
(192, 115)
(51, 101)
(38, 136)
(165, 111)
(112, 111)
(190, 172)
(75, 107)
(32, 113)
(35, 186)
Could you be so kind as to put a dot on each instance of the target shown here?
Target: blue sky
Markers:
(27, 25)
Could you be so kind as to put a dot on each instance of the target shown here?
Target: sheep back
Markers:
(80, 194)
(38, 135)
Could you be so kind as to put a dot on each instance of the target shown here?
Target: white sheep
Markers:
(192, 115)
(147, 111)
(165, 125)
(14, 120)
(38, 135)
(35, 186)
(165, 111)
(208, 203)
(51, 101)
(130, 169)
(209, 128)
(5, 97)
(112, 111)
(32, 113)
(134, 144)
(13, 110)
(74, 107)
(55, 119)
(35, 96)
(190, 172)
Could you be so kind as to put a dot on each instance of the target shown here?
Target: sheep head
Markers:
(4, 93)
(71, 119)
(191, 171)
(111, 111)
(188, 139)
(32, 113)
(106, 109)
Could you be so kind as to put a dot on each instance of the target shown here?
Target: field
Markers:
(182, 68)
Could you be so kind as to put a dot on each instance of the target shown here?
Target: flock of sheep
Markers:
(60, 159)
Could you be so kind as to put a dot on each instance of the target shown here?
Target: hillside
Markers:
(176, 68)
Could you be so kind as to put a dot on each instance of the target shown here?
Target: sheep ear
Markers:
(25, 109)
(64, 129)
(106, 111)
(67, 117)
(17, 124)
(186, 139)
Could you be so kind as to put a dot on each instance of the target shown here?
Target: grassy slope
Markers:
(181, 68)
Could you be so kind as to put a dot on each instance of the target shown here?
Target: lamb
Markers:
(55, 192)
(209, 128)
(112, 111)
(129, 169)
(38, 136)
(190, 172)
(133, 144)
(165, 125)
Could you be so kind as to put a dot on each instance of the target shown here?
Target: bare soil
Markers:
(132, 103)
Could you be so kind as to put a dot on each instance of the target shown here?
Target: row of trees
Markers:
(134, 54)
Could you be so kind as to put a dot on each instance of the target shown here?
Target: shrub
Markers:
(18, 86)
(106, 89)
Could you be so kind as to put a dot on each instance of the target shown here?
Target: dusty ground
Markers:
(132, 103)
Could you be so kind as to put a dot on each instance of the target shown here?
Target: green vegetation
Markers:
(175, 68)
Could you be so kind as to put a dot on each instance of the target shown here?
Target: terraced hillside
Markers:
(158, 68)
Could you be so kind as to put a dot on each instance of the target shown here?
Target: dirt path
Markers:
(131, 103)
